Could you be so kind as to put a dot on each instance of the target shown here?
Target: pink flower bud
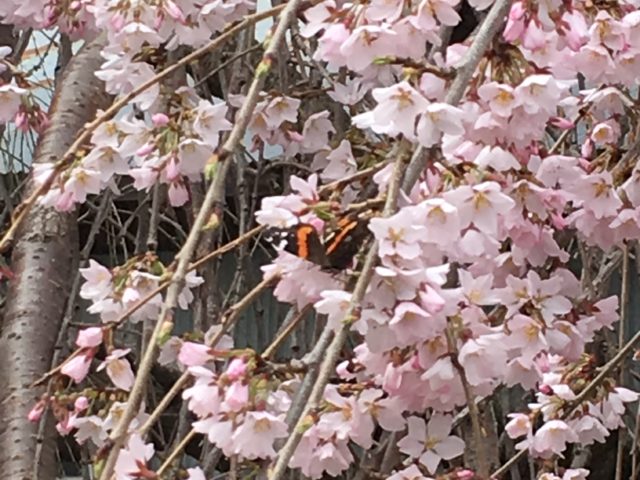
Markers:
(587, 148)
(75, 5)
(157, 22)
(465, 474)
(145, 150)
(160, 119)
(584, 163)
(558, 222)
(172, 171)
(89, 337)
(36, 412)
(317, 223)
(415, 362)
(81, 404)
(237, 369)
(174, 11)
(117, 21)
(295, 136)
(50, 17)
(517, 11)
(21, 120)
(562, 123)
(513, 30)
(545, 389)
(64, 427)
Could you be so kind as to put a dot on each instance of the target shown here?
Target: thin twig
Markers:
(474, 413)
(312, 361)
(275, 344)
(176, 451)
(624, 300)
(224, 65)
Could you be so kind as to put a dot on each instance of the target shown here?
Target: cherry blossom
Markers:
(9, 101)
(255, 437)
(78, 367)
(431, 443)
(132, 460)
(118, 369)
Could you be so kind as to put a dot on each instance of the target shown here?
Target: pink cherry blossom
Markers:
(9, 101)
(575, 474)
(219, 432)
(412, 472)
(334, 304)
(439, 118)
(483, 359)
(396, 112)
(236, 397)
(118, 369)
(89, 337)
(365, 44)
(195, 474)
(481, 205)
(497, 158)
(518, 426)
(316, 132)
(210, 121)
(255, 436)
(194, 354)
(398, 235)
(301, 282)
(132, 458)
(204, 396)
(552, 438)
(348, 93)
(589, 429)
(77, 368)
(89, 428)
(431, 443)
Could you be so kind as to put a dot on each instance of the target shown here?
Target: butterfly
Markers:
(335, 251)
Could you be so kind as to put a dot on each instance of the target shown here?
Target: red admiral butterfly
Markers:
(335, 251)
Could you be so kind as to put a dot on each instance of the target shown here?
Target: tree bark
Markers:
(44, 261)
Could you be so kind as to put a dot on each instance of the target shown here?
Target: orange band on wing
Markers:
(302, 237)
(340, 236)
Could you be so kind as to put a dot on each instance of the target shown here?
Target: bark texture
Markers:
(44, 261)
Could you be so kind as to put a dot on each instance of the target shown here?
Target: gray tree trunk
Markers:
(44, 261)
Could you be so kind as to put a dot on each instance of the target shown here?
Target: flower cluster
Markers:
(112, 293)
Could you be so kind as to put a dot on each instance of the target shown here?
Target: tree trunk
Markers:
(44, 261)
